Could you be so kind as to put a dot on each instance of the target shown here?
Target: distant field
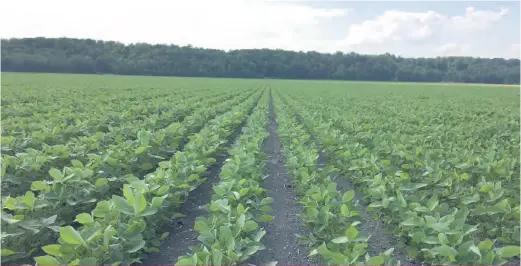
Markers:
(102, 169)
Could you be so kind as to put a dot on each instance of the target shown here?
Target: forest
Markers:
(69, 55)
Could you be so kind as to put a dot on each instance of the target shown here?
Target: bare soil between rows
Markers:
(281, 233)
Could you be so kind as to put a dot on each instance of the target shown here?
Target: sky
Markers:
(407, 28)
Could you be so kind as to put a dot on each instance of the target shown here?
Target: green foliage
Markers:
(231, 234)
(326, 211)
(433, 170)
(119, 215)
(66, 55)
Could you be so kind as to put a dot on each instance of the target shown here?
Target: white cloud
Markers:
(476, 19)
(216, 24)
(393, 25)
(413, 27)
(236, 24)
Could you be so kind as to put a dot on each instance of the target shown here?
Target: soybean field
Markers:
(103, 169)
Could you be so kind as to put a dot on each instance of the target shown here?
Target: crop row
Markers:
(230, 233)
(119, 228)
(70, 117)
(444, 209)
(81, 131)
(330, 215)
(112, 159)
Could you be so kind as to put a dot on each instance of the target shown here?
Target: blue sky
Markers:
(412, 29)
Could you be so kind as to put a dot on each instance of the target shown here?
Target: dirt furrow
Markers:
(281, 233)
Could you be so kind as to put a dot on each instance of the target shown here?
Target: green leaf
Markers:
(206, 237)
(240, 223)
(251, 250)
(385, 203)
(123, 205)
(265, 218)
(243, 191)
(56, 174)
(147, 212)
(351, 233)
(107, 236)
(348, 196)
(46, 260)
(135, 245)
(432, 240)
(413, 221)
(266, 201)
(272, 263)
(412, 186)
(463, 165)
(376, 204)
(509, 251)
(201, 225)
(362, 237)
(236, 195)
(88, 261)
(240, 209)
(340, 240)
(186, 261)
(378, 260)
(485, 245)
(217, 256)
(164, 164)
(140, 203)
(71, 236)
(443, 239)
(446, 251)
(38, 185)
(157, 202)
(250, 226)
(77, 163)
(91, 232)
(6, 252)
(101, 182)
(259, 235)
(162, 190)
(140, 150)
(53, 250)
(84, 218)
(29, 199)
(475, 250)
(469, 200)
(344, 210)
(164, 235)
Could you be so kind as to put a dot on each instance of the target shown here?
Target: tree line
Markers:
(68, 55)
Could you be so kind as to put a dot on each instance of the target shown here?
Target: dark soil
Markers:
(280, 239)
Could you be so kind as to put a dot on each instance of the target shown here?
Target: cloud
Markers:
(476, 19)
(417, 27)
(393, 25)
(226, 25)
(238, 24)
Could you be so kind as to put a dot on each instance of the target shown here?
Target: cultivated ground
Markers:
(434, 169)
